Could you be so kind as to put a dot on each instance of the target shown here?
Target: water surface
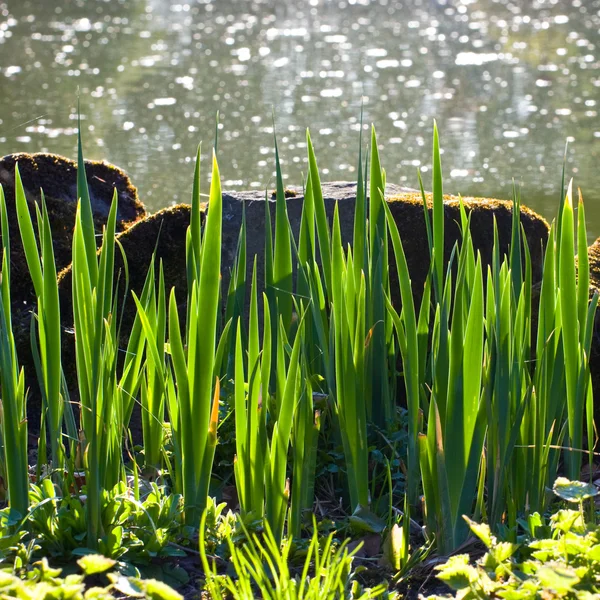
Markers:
(508, 82)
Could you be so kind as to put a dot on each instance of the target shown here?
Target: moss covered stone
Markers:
(57, 177)
(165, 231)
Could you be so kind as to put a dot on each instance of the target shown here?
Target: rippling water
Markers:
(508, 81)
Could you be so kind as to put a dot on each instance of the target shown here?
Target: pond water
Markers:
(508, 82)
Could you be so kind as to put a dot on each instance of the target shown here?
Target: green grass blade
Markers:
(87, 217)
(323, 232)
(282, 260)
(30, 246)
(438, 216)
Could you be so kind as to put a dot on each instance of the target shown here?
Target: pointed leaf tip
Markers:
(569, 196)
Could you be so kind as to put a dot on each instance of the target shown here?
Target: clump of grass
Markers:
(12, 380)
(485, 406)
(262, 565)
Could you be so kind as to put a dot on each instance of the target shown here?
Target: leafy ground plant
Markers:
(564, 564)
(42, 581)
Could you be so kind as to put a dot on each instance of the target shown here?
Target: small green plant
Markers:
(564, 565)
(263, 567)
(42, 581)
(134, 530)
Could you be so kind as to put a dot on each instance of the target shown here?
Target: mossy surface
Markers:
(57, 177)
(408, 213)
(164, 233)
(594, 258)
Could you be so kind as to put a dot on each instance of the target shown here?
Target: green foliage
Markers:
(262, 566)
(307, 383)
(12, 388)
(42, 581)
(193, 410)
(261, 463)
(134, 530)
(566, 564)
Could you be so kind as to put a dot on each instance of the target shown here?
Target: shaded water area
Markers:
(508, 81)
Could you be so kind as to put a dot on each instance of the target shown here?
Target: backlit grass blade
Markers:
(153, 390)
(360, 214)
(28, 236)
(87, 217)
(307, 239)
(243, 472)
(208, 307)
(250, 415)
(583, 270)
(568, 292)
(42, 269)
(323, 232)
(50, 338)
(515, 242)
(426, 214)
(278, 496)
(376, 200)
(282, 259)
(561, 203)
(438, 216)
(237, 284)
(130, 379)
(95, 348)
(194, 367)
(12, 388)
(380, 403)
(180, 412)
(304, 442)
(196, 236)
(406, 328)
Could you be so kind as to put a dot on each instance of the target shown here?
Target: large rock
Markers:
(57, 177)
(165, 231)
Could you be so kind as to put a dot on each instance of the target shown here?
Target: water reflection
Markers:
(509, 82)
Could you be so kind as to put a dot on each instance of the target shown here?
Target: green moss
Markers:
(288, 193)
(594, 258)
